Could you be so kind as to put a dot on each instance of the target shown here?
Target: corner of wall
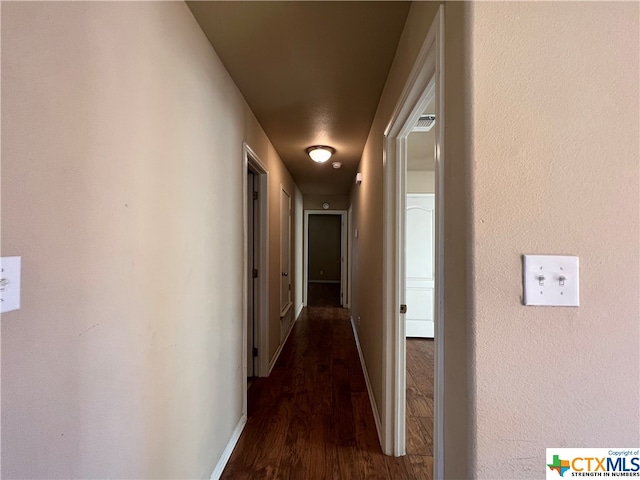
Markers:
(459, 409)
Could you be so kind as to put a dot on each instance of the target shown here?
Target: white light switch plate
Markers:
(551, 280)
(9, 284)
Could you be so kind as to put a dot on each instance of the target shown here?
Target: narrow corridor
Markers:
(311, 418)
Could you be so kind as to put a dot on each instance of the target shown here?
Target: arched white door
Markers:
(420, 271)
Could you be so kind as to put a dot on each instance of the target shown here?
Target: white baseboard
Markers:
(299, 310)
(374, 407)
(235, 436)
(286, 337)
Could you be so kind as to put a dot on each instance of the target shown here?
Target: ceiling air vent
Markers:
(425, 123)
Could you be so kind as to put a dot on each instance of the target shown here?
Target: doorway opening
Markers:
(325, 272)
(255, 272)
(414, 257)
(420, 233)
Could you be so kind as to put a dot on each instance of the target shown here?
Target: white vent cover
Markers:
(425, 123)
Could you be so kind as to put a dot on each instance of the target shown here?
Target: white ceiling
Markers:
(312, 72)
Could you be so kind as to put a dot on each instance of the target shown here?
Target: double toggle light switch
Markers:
(551, 280)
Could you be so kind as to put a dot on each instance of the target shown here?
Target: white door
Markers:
(420, 222)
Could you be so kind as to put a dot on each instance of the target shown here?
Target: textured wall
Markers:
(555, 150)
(122, 190)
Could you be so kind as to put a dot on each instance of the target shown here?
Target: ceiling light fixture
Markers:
(336, 165)
(320, 153)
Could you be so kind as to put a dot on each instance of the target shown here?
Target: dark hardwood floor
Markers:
(419, 440)
(311, 418)
(323, 294)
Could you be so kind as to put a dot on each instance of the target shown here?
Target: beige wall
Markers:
(122, 190)
(421, 181)
(555, 146)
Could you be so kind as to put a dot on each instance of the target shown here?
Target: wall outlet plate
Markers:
(10, 283)
(551, 280)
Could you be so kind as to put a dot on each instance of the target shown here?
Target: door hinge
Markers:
(255, 195)
(403, 308)
(255, 352)
(255, 273)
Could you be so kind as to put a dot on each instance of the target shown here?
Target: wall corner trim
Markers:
(226, 454)
(374, 407)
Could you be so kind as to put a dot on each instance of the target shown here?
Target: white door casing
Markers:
(251, 246)
(285, 250)
(419, 270)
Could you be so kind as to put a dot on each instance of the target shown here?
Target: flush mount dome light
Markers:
(320, 153)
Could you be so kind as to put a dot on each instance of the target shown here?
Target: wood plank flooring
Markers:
(311, 418)
(323, 294)
(419, 437)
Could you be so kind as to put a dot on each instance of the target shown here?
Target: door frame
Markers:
(252, 162)
(349, 256)
(289, 223)
(426, 81)
(343, 252)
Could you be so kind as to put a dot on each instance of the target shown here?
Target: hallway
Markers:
(311, 418)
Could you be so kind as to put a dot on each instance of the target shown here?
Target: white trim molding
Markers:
(228, 450)
(273, 361)
(425, 82)
(374, 407)
(288, 256)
